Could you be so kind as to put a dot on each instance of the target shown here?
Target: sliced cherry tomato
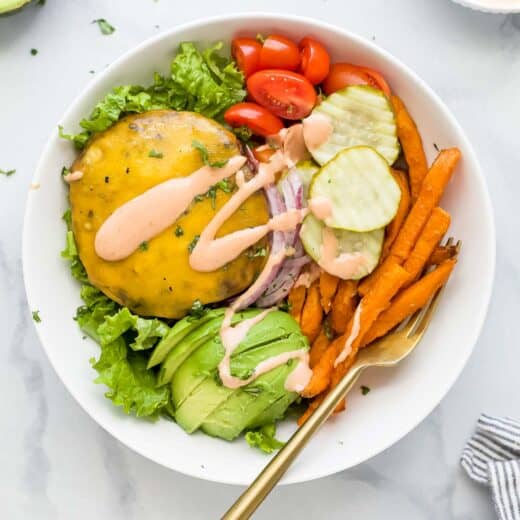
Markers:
(278, 52)
(378, 80)
(263, 153)
(286, 94)
(258, 119)
(246, 52)
(315, 62)
(345, 74)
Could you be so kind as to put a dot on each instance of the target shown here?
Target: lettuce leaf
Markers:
(204, 82)
(264, 438)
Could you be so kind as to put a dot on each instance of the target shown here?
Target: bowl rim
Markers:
(483, 7)
(446, 114)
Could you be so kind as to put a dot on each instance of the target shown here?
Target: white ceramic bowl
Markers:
(492, 6)
(399, 399)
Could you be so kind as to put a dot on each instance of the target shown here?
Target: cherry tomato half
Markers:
(258, 119)
(345, 74)
(378, 80)
(246, 52)
(315, 62)
(278, 52)
(284, 93)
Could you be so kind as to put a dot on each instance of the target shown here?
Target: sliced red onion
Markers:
(252, 161)
(282, 284)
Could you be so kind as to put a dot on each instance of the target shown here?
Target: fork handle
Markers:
(255, 494)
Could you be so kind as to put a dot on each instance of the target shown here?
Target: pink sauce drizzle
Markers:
(317, 129)
(147, 215)
(73, 176)
(347, 349)
(343, 265)
(321, 207)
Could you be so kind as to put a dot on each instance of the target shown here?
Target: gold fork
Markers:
(386, 352)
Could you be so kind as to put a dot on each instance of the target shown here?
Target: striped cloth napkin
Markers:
(492, 457)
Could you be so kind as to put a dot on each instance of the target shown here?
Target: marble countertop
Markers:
(57, 463)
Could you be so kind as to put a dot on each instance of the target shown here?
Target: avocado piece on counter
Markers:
(135, 154)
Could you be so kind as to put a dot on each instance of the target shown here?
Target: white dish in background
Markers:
(492, 6)
(400, 398)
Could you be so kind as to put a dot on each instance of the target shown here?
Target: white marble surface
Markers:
(55, 462)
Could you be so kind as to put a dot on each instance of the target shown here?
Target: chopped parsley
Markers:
(243, 133)
(36, 316)
(7, 173)
(34, 52)
(65, 171)
(179, 231)
(143, 246)
(193, 243)
(107, 179)
(258, 251)
(328, 331)
(41, 3)
(223, 185)
(155, 154)
(365, 389)
(104, 26)
(197, 309)
(436, 147)
(204, 155)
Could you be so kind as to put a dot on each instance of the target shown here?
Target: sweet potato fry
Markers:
(431, 235)
(296, 301)
(441, 254)
(409, 300)
(318, 347)
(412, 145)
(404, 206)
(431, 192)
(328, 287)
(312, 312)
(343, 305)
(371, 306)
(310, 409)
(322, 371)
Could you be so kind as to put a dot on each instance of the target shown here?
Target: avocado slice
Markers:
(237, 412)
(191, 342)
(177, 333)
(11, 6)
(273, 413)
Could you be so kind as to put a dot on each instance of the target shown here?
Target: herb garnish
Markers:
(36, 316)
(197, 309)
(365, 389)
(328, 331)
(436, 147)
(34, 52)
(256, 252)
(7, 173)
(179, 231)
(104, 26)
(223, 185)
(203, 151)
(155, 154)
(65, 171)
(193, 243)
(243, 133)
(143, 246)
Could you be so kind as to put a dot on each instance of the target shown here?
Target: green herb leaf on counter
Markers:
(155, 154)
(365, 389)
(206, 84)
(36, 316)
(264, 439)
(34, 52)
(104, 26)
(7, 173)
